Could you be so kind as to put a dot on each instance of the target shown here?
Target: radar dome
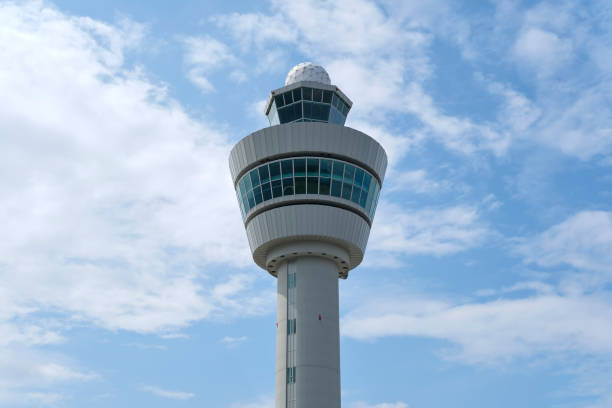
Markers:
(307, 71)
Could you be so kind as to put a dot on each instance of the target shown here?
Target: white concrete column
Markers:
(315, 338)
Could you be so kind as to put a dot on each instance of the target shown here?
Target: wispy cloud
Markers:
(160, 392)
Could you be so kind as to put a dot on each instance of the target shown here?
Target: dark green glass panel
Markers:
(297, 111)
(300, 185)
(363, 198)
(349, 173)
(288, 186)
(317, 95)
(307, 94)
(264, 174)
(257, 194)
(251, 199)
(266, 191)
(299, 166)
(366, 182)
(278, 99)
(313, 185)
(288, 98)
(277, 188)
(336, 188)
(254, 177)
(338, 170)
(358, 177)
(313, 167)
(275, 171)
(326, 168)
(287, 166)
(324, 186)
(355, 195)
(346, 191)
(297, 94)
(327, 96)
(308, 110)
(284, 114)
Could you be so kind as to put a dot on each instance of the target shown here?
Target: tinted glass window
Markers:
(358, 177)
(326, 168)
(300, 185)
(324, 186)
(288, 98)
(266, 191)
(349, 173)
(312, 185)
(317, 95)
(257, 194)
(288, 186)
(366, 182)
(300, 167)
(278, 99)
(313, 167)
(251, 199)
(297, 111)
(284, 114)
(336, 188)
(277, 188)
(338, 170)
(308, 94)
(297, 94)
(254, 177)
(264, 175)
(327, 95)
(355, 195)
(275, 170)
(346, 191)
(308, 110)
(287, 166)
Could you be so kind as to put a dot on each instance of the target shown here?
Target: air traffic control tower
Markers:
(307, 188)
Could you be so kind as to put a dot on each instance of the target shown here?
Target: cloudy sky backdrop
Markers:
(125, 274)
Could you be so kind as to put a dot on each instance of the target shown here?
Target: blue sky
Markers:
(125, 274)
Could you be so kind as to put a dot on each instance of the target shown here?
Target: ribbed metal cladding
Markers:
(295, 139)
(304, 222)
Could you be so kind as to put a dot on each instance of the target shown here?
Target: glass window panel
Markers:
(297, 94)
(300, 185)
(313, 167)
(363, 198)
(356, 194)
(358, 177)
(275, 171)
(251, 199)
(278, 99)
(335, 100)
(287, 166)
(288, 186)
(313, 185)
(324, 112)
(254, 177)
(324, 186)
(284, 114)
(338, 170)
(346, 191)
(307, 94)
(245, 203)
(288, 98)
(308, 110)
(336, 188)
(327, 96)
(316, 111)
(264, 174)
(297, 110)
(266, 191)
(366, 182)
(326, 168)
(257, 194)
(241, 185)
(300, 167)
(349, 173)
(277, 188)
(370, 196)
(317, 95)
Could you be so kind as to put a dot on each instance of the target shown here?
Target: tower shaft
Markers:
(308, 347)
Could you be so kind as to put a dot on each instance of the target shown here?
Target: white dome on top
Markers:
(307, 71)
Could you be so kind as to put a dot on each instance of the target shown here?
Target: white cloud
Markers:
(402, 231)
(541, 48)
(583, 241)
(233, 341)
(416, 181)
(206, 54)
(160, 392)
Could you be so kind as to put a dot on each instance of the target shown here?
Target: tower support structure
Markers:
(307, 187)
